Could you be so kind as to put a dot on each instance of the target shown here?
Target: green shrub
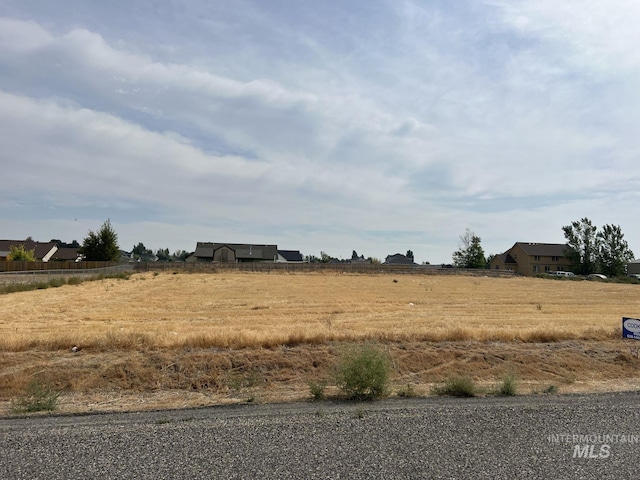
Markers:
(551, 389)
(317, 390)
(57, 282)
(363, 372)
(38, 397)
(509, 386)
(457, 386)
(626, 279)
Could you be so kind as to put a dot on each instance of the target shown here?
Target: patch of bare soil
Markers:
(162, 379)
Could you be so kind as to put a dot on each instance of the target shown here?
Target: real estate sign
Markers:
(631, 328)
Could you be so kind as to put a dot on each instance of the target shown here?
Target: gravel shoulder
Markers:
(570, 436)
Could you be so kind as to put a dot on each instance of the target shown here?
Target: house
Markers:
(42, 251)
(290, 256)
(66, 254)
(233, 252)
(398, 259)
(533, 258)
(633, 267)
(359, 261)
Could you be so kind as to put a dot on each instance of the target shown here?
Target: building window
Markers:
(547, 268)
(554, 259)
(536, 269)
(536, 258)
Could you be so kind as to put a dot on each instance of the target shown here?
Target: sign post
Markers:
(631, 328)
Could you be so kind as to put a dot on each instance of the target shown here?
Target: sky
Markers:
(379, 126)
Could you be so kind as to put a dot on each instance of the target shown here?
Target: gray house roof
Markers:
(66, 253)
(244, 251)
(506, 258)
(291, 255)
(543, 249)
(399, 259)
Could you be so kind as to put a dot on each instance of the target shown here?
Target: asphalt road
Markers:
(590, 436)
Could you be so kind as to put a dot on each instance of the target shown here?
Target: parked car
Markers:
(597, 276)
(635, 275)
(560, 273)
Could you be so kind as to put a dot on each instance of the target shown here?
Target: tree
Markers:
(354, 255)
(61, 244)
(470, 253)
(17, 253)
(140, 250)
(101, 246)
(490, 258)
(409, 254)
(163, 255)
(582, 246)
(180, 255)
(613, 251)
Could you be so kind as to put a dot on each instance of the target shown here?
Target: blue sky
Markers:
(376, 126)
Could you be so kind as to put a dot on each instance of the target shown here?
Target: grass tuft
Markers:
(509, 386)
(316, 389)
(408, 391)
(457, 386)
(38, 397)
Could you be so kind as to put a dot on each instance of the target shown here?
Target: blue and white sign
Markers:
(631, 328)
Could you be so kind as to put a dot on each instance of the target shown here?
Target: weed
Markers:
(238, 381)
(457, 386)
(317, 390)
(509, 386)
(362, 372)
(360, 412)
(407, 391)
(551, 389)
(38, 397)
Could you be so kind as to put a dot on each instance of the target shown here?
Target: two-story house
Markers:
(533, 258)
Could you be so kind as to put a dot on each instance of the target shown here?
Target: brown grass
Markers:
(240, 310)
(231, 335)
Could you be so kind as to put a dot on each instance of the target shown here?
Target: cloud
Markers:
(594, 35)
(401, 116)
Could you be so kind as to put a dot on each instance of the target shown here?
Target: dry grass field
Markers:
(161, 340)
